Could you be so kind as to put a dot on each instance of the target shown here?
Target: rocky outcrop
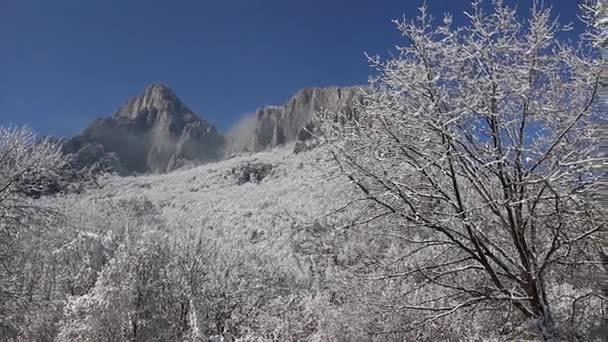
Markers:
(276, 125)
(154, 132)
(252, 172)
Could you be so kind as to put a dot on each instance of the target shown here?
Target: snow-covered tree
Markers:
(27, 166)
(477, 146)
(134, 297)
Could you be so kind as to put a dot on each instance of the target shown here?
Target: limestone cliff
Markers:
(276, 125)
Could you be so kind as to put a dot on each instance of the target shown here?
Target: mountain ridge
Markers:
(155, 132)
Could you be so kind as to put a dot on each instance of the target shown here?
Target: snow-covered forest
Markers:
(460, 201)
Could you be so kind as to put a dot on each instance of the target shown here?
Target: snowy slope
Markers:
(296, 190)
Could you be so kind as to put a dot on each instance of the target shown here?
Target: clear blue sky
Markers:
(66, 62)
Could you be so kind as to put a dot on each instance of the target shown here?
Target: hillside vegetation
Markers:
(458, 198)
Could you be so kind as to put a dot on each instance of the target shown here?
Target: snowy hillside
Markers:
(255, 221)
(457, 198)
(210, 195)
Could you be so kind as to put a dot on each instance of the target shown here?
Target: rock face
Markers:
(154, 132)
(276, 125)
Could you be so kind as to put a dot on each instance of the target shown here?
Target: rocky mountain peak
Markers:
(153, 132)
(159, 88)
(158, 101)
(159, 95)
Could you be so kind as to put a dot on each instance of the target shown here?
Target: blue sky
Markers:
(66, 62)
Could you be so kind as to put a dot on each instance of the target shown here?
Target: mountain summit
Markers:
(156, 99)
(153, 132)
